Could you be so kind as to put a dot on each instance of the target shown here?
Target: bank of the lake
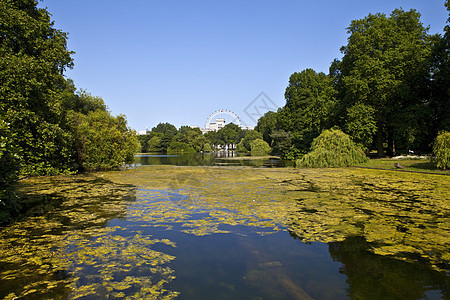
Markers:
(203, 232)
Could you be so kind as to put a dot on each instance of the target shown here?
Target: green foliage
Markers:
(191, 136)
(9, 159)
(441, 149)
(332, 148)
(154, 143)
(240, 147)
(259, 147)
(211, 137)
(207, 147)
(229, 134)
(360, 124)
(9, 170)
(46, 128)
(281, 143)
(310, 106)
(385, 66)
(179, 147)
(250, 135)
(102, 141)
(33, 56)
(266, 125)
(168, 131)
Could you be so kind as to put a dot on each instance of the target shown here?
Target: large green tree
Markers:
(168, 132)
(229, 133)
(309, 109)
(33, 57)
(100, 140)
(385, 67)
(266, 125)
(440, 68)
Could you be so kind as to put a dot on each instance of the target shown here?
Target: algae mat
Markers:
(76, 249)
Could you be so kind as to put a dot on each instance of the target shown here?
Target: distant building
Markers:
(219, 124)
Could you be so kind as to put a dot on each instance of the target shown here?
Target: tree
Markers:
(154, 143)
(212, 138)
(332, 148)
(282, 144)
(266, 125)
(360, 124)
(33, 58)
(441, 149)
(385, 67)
(168, 131)
(207, 147)
(102, 141)
(310, 103)
(9, 160)
(179, 147)
(259, 147)
(192, 137)
(250, 135)
(440, 85)
(229, 133)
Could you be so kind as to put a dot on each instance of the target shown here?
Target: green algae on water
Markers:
(73, 251)
(70, 252)
(402, 215)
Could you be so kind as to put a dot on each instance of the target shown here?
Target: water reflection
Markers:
(219, 158)
(371, 276)
(163, 232)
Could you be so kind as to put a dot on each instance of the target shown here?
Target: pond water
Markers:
(175, 232)
(219, 158)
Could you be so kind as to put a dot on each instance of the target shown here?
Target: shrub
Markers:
(240, 147)
(102, 141)
(250, 135)
(153, 144)
(179, 147)
(207, 147)
(332, 148)
(441, 149)
(259, 147)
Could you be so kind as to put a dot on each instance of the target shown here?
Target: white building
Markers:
(214, 126)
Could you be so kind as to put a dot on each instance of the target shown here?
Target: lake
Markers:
(221, 158)
(169, 231)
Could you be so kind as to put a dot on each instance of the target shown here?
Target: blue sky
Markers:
(178, 61)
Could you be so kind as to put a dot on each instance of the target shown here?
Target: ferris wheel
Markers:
(223, 111)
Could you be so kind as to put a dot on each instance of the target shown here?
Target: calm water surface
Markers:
(95, 246)
(221, 158)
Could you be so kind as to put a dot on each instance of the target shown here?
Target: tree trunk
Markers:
(380, 140)
(390, 149)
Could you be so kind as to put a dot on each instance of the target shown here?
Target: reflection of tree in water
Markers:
(372, 276)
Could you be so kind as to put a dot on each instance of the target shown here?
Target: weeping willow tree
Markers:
(332, 148)
(441, 149)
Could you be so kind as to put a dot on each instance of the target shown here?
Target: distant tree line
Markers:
(46, 127)
(166, 138)
(389, 92)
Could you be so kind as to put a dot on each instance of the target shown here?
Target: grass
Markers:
(410, 164)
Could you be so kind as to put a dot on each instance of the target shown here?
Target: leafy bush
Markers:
(259, 147)
(441, 149)
(9, 169)
(102, 141)
(332, 148)
(153, 144)
(250, 135)
(179, 147)
(207, 147)
(240, 147)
